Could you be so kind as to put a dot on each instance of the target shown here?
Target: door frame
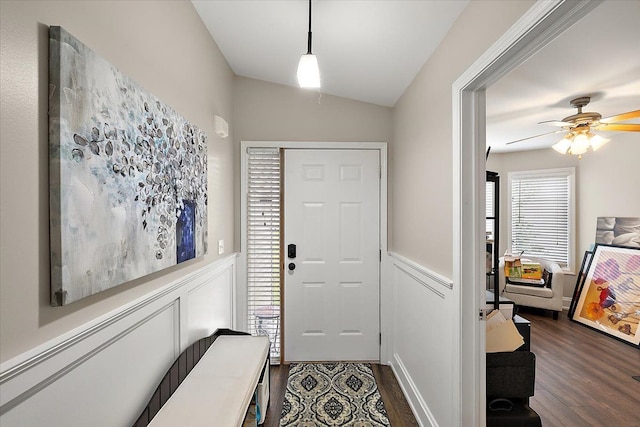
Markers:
(542, 23)
(240, 291)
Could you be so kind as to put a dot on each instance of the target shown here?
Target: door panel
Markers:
(332, 215)
(314, 315)
(351, 312)
(350, 232)
(313, 222)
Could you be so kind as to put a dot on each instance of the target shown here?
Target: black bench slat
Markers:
(174, 378)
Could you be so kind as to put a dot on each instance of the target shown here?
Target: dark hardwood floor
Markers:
(583, 378)
(398, 410)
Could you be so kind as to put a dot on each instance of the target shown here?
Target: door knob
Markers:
(292, 266)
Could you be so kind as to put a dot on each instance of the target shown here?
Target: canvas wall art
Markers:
(609, 297)
(621, 231)
(128, 176)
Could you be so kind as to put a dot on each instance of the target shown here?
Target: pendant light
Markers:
(308, 72)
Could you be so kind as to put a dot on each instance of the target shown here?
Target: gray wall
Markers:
(165, 47)
(422, 150)
(272, 112)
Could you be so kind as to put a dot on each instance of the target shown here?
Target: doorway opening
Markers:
(541, 23)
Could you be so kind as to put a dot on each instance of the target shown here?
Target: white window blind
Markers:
(541, 221)
(489, 207)
(263, 245)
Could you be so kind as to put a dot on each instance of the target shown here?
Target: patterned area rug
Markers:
(332, 394)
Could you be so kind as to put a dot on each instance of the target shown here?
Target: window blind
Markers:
(489, 206)
(263, 245)
(540, 215)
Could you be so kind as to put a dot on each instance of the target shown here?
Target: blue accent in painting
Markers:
(185, 232)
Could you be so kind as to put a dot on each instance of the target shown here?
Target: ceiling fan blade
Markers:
(621, 117)
(535, 136)
(556, 123)
(621, 127)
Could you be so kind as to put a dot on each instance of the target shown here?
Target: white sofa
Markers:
(548, 298)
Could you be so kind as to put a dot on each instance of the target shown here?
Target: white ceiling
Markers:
(371, 50)
(367, 50)
(599, 56)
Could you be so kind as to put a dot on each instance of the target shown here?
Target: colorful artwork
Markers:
(609, 300)
(128, 176)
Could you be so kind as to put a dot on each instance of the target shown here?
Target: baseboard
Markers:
(418, 406)
(416, 303)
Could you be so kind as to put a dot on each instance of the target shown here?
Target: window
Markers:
(541, 215)
(263, 245)
(489, 205)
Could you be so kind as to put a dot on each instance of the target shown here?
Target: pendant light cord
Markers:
(309, 33)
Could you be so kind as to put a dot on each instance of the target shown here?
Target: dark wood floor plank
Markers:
(555, 412)
(398, 409)
(279, 375)
(583, 378)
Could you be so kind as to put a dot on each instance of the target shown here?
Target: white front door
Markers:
(332, 216)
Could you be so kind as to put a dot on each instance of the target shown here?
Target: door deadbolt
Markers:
(291, 251)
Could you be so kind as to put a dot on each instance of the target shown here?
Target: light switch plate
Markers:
(220, 247)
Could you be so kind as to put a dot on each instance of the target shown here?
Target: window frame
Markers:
(264, 245)
(568, 173)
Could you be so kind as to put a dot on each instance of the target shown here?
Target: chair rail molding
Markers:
(124, 352)
(417, 268)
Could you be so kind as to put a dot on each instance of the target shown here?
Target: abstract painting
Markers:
(609, 300)
(128, 176)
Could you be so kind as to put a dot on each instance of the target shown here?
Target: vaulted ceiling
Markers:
(371, 50)
(367, 50)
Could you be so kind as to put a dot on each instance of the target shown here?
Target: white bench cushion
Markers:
(219, 389)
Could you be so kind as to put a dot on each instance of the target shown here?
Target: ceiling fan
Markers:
(579, 127)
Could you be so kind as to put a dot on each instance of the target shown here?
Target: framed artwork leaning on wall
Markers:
(608, 300)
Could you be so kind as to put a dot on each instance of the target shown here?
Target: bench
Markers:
(211, 383)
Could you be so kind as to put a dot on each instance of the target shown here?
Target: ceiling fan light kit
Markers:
(308, 71)
(597, 141)
(578, 143)
(580, 138)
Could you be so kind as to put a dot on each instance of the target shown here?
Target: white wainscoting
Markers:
(418, 312)
(103, 373)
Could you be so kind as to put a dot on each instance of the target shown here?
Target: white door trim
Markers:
(537, 27)
(241, 287)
